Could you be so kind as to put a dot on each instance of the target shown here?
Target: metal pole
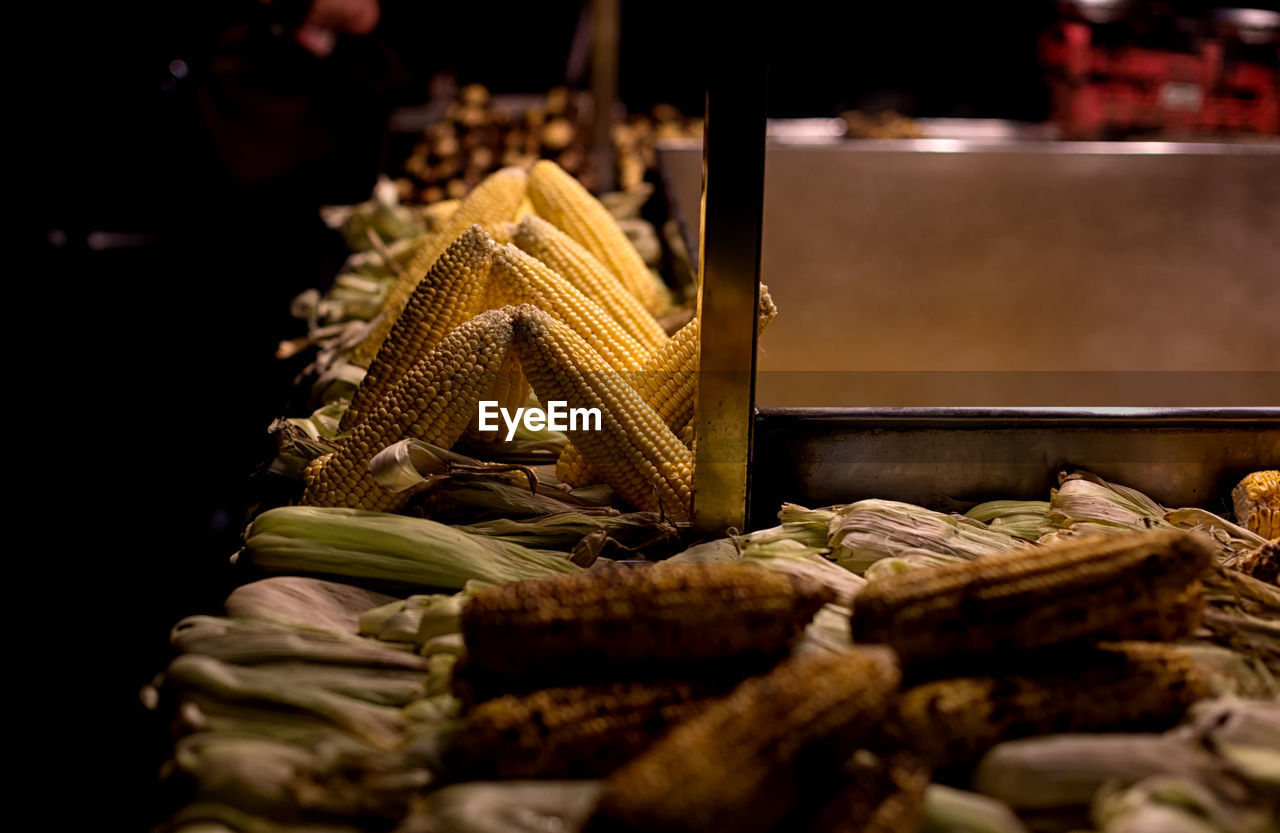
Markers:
(606, 21)
(729, 271)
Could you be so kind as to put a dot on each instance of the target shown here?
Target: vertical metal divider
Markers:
(729, 271)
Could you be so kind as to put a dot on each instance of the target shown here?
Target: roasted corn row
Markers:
(434, 402)
(1031, 598)
(561, 199)
(623, 621)
(1116, 686)
(882, 795)
(571, 732)
(451, 293)
(741, 764)
(633, 451)
(495, 200)
(1257, 503)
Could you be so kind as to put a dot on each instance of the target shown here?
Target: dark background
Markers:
(155, 377)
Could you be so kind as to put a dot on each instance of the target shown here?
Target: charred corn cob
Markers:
(634, 451)
(589, 276)
(1263, 563)
(1257, 503)
(1117, 686)
(741, 763)
(882, 795)
(434, 402)
(495, 200)
(1030, 598)
(682, 614)
(519, 278)
(668, 381)
(571, 732)
(450, 294)
(561, 199)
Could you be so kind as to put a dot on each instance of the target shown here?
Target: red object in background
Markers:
(1100, 90)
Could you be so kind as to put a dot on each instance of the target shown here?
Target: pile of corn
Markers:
(441, 637)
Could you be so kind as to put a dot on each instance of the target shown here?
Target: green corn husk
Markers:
(563, 530)
(948, 810)
(255, 775)
(250, 642)
(204, 679)
(795, 513)
(909, 560)
(506, 807)
(414, 552)
(790, 556)
(1171, 804)
(717, 551)
(827, 632)
(864, 532)
(467, 499)
(415, 619)
(306, 603)
(1026, 519)
(811, 534)
(1233, 672)
(1082, 496)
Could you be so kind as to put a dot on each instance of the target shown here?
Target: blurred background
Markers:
(184, 151)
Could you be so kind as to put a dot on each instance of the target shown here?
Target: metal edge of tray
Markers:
(948, 458)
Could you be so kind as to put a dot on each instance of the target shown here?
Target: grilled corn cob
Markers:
(434, 402)
(741, 764)
(495, 200)
(450, 294)
(883, 795)
(1032, 598)
(520, 278)
(589, 276)
(602, 621)
(562, 200)
(1257, 503)
(1263, 563)
(1117, 686)
(634, 452)
(571, 732)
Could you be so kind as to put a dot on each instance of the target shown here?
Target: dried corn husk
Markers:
(248, 642)
(1025, 519)
(1173, 804)
(1232, 672)
(386, 548)
(864, 532)
(717, 551)
(790, 556)
(1084, 497)
(912, 560)
(215, 817)
(948, 810)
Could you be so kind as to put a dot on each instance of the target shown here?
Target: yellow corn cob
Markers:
(742, 764)
(634, 451)
(610, 623)
(1257, 503)
(519, 278)
(1032, 598)
(495, 200)
(433, 402)
(451, 293)
(561, 200)
(571, 732)
(589, 276)
(668, 382)
(1119, 686)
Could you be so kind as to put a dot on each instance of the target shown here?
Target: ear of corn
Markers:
(450, 294)
(593, 279)
(1122, 686)
(1036, 597)
(634, 451)
(1257, 503)
(636, 619)
(519, 278)
(571, 732)
(741, 764)
(495, 200)
(561, 199)
(433, 402)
